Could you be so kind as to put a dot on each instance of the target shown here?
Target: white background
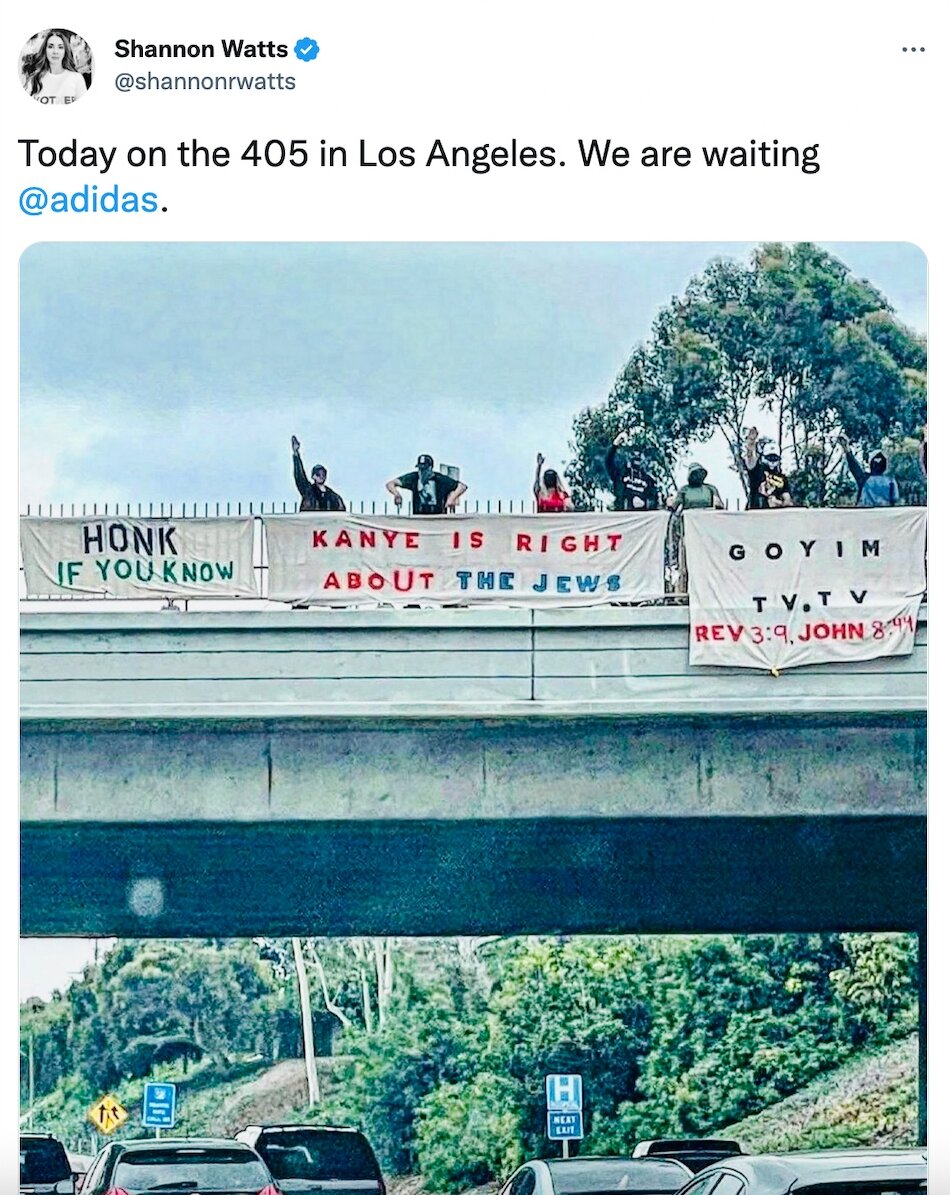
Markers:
(546, 73)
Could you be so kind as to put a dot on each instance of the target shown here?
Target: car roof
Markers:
(321, 1128)
(180, 1142)
(775, 1172)
(675, 1144)
(653, 1166)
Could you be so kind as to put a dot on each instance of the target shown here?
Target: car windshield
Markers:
(581, 1177)
(311, 1154)
(882, 1186)
(190, 1168)
(42, 1161)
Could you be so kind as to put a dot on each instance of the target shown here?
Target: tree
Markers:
(791, 337)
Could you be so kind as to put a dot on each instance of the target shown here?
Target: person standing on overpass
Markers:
(433, 493)
(876, 487)
(314, 494)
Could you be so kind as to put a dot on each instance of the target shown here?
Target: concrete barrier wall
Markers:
(421, 663)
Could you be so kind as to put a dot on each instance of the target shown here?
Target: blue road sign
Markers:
(565, 1126)
(565, 1093)
(158, 1106)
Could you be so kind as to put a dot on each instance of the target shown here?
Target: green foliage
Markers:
(792, 336)
(445, 1074)
(467, 1133)
(872, 1097)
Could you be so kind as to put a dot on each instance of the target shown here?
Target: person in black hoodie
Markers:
(314, 494)
(634, 488)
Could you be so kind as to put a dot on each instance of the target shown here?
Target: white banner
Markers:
(126, 557)
(778, 588)
(524, 560)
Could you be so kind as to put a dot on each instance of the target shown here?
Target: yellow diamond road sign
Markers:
(107, 1114)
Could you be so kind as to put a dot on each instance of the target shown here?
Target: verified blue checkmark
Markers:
(306, 49)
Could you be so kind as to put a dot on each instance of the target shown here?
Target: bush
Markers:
(467, 1133)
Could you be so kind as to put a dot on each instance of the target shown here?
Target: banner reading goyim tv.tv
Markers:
(528, 560)
(776, 589)
(143, 558)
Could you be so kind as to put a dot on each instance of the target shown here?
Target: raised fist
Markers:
(294, 443)
(540, 459)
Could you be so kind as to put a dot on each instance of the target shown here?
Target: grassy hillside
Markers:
(871, 1100)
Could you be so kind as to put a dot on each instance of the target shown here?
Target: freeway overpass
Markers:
(457, 771)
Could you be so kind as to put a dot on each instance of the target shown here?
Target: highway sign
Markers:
(107, 1114)
(565, 1093)
(565, 1126)
(158, 1106)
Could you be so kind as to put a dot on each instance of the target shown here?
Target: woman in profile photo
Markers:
(50, 72)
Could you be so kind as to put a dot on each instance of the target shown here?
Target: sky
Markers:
(178, 372)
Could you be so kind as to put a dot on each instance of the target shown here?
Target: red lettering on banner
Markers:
(718, 632)
(332, 581)
(614, 539)
(343, 540)
(569, 543)
(702, 634)
(367, 538)
(591, 543)
(736, 633)
(412, 539)
(522, 542)
(319, 539)
(390, 537)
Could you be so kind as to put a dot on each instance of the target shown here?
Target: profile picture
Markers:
(56, 66)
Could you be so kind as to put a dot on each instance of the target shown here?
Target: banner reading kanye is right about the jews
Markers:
(778, 588)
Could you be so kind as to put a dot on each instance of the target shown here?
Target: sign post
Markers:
(565, 1101)
(158, 1107)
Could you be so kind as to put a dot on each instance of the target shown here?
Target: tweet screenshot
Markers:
(473, 580)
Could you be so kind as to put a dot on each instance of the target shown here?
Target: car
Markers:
(817, 1172)
(596, 1175)
(207, 1164)
(79, 1165)
(44, 1166)
(336, 1159)
(695, 1153)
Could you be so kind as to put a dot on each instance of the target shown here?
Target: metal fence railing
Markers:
(675, 580)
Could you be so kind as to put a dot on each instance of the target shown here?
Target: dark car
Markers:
(309, 1157)
(209, 1165)
(44, 1166)
(822, 1172)
(596, 1175)
(696, 1153)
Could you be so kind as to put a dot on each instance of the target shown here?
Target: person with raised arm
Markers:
(315, 494)
(551, 496)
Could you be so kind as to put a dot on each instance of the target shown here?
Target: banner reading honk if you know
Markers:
(528, 560)
(776, 589)
(125, 557)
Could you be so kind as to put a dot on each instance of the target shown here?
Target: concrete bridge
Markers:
(457, 771)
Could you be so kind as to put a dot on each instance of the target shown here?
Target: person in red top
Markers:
(550, 495)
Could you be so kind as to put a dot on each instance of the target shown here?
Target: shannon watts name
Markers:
(128, 47)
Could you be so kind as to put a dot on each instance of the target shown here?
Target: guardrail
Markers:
(675, 578)
(258, 511)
